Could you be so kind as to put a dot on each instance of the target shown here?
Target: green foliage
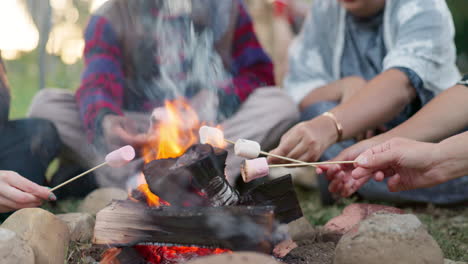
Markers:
(459, 11)
(23, 75)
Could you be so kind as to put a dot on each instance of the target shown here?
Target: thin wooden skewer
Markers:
(272, 155)
(78, 176)
(311, 164)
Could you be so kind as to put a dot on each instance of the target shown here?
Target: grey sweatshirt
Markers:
(418, 35)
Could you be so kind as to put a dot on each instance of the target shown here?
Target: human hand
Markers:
(17, 192)
(339, 175)
(119, 131)
(306, 141)
(409, 164)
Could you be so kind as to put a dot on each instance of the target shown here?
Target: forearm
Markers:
(333, 91)
(444, 116)
(452, 160)
(376, 103)
(282, 38)
(329, 92)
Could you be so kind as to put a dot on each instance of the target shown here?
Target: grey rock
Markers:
(388, 239)
(13, 249)
(100, 198)
(47, 235)
(236, 258)
(81, 226)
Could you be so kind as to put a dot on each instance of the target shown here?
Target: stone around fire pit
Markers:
(81, 226)
(47, 235)
(388, 239)
(100, 198)
(13, 249)
(300, 227)
(355, 213)
(236, 258)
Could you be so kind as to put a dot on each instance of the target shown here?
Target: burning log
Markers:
(278, 193)
(200, 170)
(127, 223)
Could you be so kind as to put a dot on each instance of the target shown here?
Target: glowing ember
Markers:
(170, 255)
(110, 255)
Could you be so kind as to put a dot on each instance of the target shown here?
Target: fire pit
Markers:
(185, 208)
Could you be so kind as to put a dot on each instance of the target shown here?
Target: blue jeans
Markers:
(451, 192)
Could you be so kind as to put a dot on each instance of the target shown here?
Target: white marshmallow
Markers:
(254, 169)
(120, 157)
(247, 148)
(211, 135)
(159, 114)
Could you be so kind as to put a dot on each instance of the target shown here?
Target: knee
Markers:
(43, 102)
(41, 129)
(277, 102)
(317, 109)
(44, 136)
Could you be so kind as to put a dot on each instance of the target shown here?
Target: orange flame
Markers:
(175, 133)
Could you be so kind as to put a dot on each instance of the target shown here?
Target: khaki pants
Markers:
(263, 117)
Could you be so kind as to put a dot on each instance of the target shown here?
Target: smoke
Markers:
(228, 226)
(188, 64)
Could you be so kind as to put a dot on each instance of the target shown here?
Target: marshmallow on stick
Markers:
(254, 169)
(247, 149)
(120, 157)
(116, 159)
(211, 135)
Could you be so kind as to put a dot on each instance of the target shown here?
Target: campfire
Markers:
(184, 207)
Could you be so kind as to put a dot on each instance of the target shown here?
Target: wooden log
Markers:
(280, 194)
(127, 223)
(200, 170)
(172, 183)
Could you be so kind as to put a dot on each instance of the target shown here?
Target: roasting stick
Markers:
(250, 149)
(270, 154)
(310, 164)
(115, 159)
(79, 176)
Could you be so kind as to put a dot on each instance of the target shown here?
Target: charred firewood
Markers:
(221, 193)
(204, 163)
(278, 193)
(200, 170)
(197, 179)
(172, 183)
(127, 223)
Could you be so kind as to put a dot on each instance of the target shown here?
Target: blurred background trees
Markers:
(42, 41)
